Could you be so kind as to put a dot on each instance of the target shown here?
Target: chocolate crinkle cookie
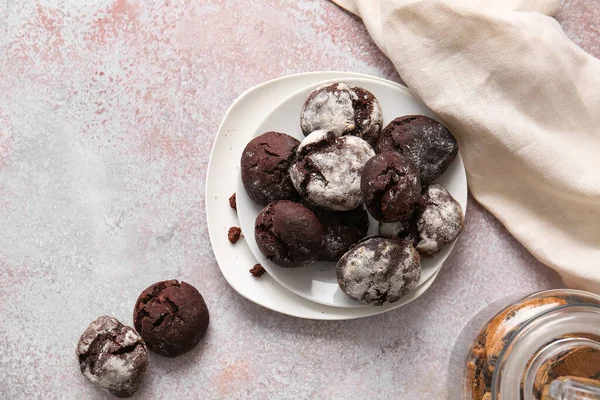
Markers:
(342, 109)
(427, 143)
(112, 356)
(265, 164)
(379, 269)
(439, 222)
(172, 317)
(289, 234)
(328, 170)
(390, 187)
(342, 230)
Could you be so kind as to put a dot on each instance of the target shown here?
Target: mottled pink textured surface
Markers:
(108, 109)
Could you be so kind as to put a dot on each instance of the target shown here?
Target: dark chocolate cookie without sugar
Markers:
(390, 187)
(342, 230)
(172, 317)
(288, 234)
(427, 143)
(265, 164)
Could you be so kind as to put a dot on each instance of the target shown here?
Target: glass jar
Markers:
(545, 346)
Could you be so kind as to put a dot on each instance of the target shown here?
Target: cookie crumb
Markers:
(232, 202)
(234, 234)
(257, 271)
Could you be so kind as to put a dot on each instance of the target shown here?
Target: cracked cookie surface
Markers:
(379, 269)
(265, 165)
(328, 169)
(439, 222)
(172, 317)
(390, 187)
(342, 109)
(112, 356)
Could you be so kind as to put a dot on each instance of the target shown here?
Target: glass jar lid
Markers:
(553, 352)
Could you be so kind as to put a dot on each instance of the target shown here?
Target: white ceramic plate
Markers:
(317, 282)
(238, 125)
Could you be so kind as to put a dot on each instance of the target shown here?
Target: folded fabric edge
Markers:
(347, 5)
(571, 281)
(548, 7)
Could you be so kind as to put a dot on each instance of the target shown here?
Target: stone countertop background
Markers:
(108, 110)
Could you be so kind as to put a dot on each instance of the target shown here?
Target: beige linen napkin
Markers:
(524, 104)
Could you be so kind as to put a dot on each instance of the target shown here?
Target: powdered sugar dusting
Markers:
(112, 356)
(407, 274)
(331, 175)
(379, 269)
(376, 115)
(313, 138)
(131, 338)
(113, 372)
(98, 327)
(440, 222)
(392, 228)
(329, 109)
(342, 109)
(360, 265)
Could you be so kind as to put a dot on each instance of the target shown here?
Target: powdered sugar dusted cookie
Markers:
(379, 269)
(112, 356)
(329, 168)
(440, 221)
(426, 142)
(342, 109)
